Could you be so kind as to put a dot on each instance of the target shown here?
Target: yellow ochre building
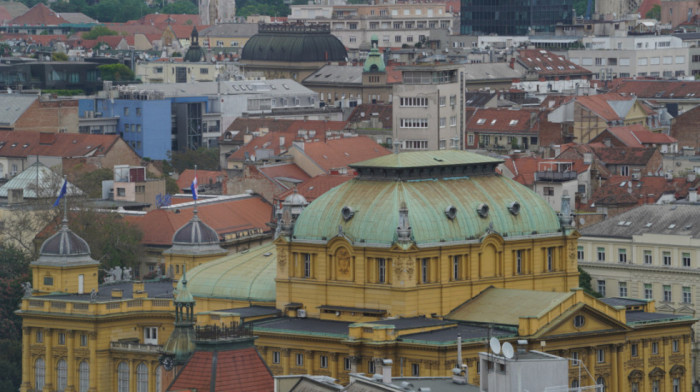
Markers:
(420, 250)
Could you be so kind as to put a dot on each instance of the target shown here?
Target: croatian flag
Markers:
(63, 193)
(193, 188)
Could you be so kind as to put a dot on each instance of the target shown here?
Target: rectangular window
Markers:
(622, 255)
(275, 357)
(370, 366)
(687, 295)
(655, 348)
(300, 359)
(623, 289)
(601, 355)
(667, 258)
(470, 139)
(381, 270)
(575, 358)
(40, 336)
(647, 257)
(601, 254)
(548, 191)
(126, 111)
(674, 345)
(453, 121)
(397, 38)
(307, 265)
(415, 370)
(601, 287)
(443, 122)
(667, 293)
(424, 265)
(455, 268)
(550, 259)
(138, 111)
(414, 123)
(324, 362)
(48, 281)
(579, 253)
(443, 100)
(408, 102)
(648, 291)
(83, 340)
(347, 365)
(518, 262)
(634, 349)
(61, 338)
(150, 335)
(686, 259)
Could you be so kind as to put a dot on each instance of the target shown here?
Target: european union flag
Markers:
(62, 193)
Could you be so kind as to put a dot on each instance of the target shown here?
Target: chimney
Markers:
(692, 195)
(650, 198)
(386, 371)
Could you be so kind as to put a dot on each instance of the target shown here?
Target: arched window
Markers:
(84, 376)
(123, 377)
(601, 383)
(61, 375)
(159, 375)
(39, 372)
(574, 384)
(142, 378)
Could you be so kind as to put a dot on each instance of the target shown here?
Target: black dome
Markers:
(294, 43)
(195, 232)
(65, 243)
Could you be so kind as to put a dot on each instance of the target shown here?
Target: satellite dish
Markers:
(495, 345)
(508, 350)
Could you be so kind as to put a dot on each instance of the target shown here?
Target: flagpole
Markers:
(196, 190)
(65, 201)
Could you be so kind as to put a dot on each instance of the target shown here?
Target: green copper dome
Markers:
(248, 276)
(449, 196)
(294, 43)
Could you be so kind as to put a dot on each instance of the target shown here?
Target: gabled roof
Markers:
(646, 190)
(5, 15)
(204, 178)
(131, 29)
(340, 153)
(657, 88)
(546, 63)
(13, 106)
(226, 217)
(65, 145)
(607, 106)
(478, 99)
(316, 186)
(49, 183)
(501, 121)
(222, 370)
(524, 168)
(286, 171)
(39, 15)
(623, 155)
(682, 220)
(15, 8)
(335, 75)
(77, 18)
(638, 135)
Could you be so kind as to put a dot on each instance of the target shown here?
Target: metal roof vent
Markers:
(514, 208)
(483, 210)
(347, 213)
(451, 212)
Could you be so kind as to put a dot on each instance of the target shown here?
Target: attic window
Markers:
(688, 227)
(13, 145)
(672, 226)
(560, 67)
(479, 121)
(513, 122)
(493, 122)
(648, 224)
(25, 145)
(549, 68)
(572, 67)
(621, 223)
(538, 69)
(628, 223)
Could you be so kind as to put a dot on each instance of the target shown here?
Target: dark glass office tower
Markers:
(513, 17)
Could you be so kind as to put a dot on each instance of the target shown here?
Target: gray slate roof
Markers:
(12, 106)
(304, 326)
(675, 219)
(49, 183)
(481, 71)
(333, 75)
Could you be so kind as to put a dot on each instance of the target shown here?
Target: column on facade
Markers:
(310, 357)
(666, 350)
(48, 361)
(644, 353)
(285, 361)
(132, 374)
(93, 361)
(613, 367)
(688, 376)
(591, 357)
(620, 349)
(26, 358)
(334, 365)
(71, 365)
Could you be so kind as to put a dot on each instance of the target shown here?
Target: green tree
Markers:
(260, 7)
(91, 182)
(113, 240)
(580, 7)
(584, 282)
(115, 72)
(98, 31)
(180, 7)
(204, 158)
(14, 270)
(654, 12)
(59, 56)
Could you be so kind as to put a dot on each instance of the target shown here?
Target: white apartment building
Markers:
(393, 24)
(428, 108)
(651, 252)
(631, 56)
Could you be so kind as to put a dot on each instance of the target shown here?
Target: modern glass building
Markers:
(513, 17)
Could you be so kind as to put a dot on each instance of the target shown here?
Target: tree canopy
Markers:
(261, 7)
(98, 31)
(180, 7)
(14, 270)
(204, 158)
(115, 72)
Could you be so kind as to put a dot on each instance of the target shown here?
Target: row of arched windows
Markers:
(123, 376)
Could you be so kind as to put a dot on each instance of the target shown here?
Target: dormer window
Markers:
(480, 121)
(513, 122)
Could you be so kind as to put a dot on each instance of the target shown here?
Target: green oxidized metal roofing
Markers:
(376, 201)
(246, 276)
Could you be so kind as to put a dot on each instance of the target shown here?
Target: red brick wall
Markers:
(49, 116)
(685, 129)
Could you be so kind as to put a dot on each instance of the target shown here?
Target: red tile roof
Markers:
(638, 135)
(131, 29)
(657, 88)
(524, 168)
(623, 155)
(393, 75)
(647, 5)
(66, 145)
(546, 63)
(4, 15)
(501, 121)
(226, 217)
(316, 186)
(366, 111)
(39, 15)
(339, 153)
(599, 105)
(204, 177)
(287, 170)
(647, 190)
(240, 370)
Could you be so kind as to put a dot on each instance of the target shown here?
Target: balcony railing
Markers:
(135, 347)
(555, 176)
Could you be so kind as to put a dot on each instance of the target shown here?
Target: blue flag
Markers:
(193, 188)
(61, 194)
